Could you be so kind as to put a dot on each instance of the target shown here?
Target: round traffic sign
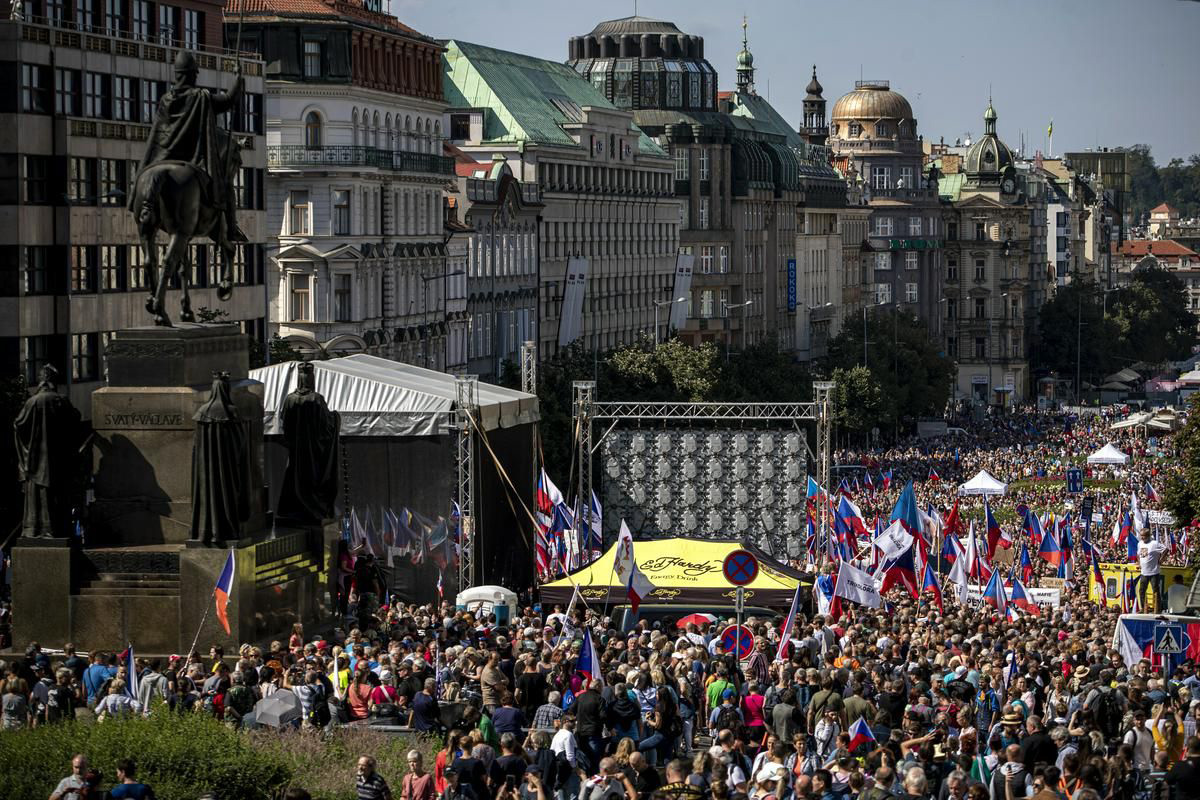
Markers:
(740, 567)
(738, 639)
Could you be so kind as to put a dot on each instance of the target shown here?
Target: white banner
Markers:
(858, 586)
(893, 541)
(570, 323)
(1043, 597)
(1159, 517)
(683, 287)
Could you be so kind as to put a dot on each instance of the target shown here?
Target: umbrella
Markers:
(696, 619)
(281, 708)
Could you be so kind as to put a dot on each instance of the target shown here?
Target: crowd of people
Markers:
(904, 703)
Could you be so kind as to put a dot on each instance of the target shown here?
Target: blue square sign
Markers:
(1168, 639)
(1074, 481)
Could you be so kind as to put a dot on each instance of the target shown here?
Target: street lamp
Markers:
(659, 304)
(425, 279)
(742, 306)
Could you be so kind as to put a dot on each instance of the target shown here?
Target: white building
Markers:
(356, 179)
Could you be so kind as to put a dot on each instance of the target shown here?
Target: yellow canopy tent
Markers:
(684, 572)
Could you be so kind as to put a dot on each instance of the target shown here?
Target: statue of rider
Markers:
(185, 130)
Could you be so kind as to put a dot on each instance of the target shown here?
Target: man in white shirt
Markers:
(1150, 553)
(1177, 596)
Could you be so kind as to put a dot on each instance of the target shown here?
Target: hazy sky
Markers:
(1109, 72)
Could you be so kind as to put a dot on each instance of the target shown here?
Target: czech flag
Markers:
(900, 571)
(1151, 495)
(907, 513)
(1050, 551)
(814, 489)
(886, 477)
(930, 584)
(131, 674)
(993, 594)
(1135, 641)
(1131, 543)
(1026, 564)
(811, 538)
(588, 664)
(222, 591)
(860, 734)
(953, 520)
(870, 484)
(1120, 530)
(1020, 598)
(951, 548)
(852, 517)
(844, 488)
(1098, 575)
(933, 476)
(785, 630)
(1033, 528)
(995, 536)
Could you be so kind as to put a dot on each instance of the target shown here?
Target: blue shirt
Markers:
(508, 720)
(94, 677)
(133, 791)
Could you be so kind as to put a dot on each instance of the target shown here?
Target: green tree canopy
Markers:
(1061, 339)
(859, 403)
(1182, 495)
(913, 374)
(1153, 318)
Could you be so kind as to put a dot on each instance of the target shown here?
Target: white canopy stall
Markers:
(983, 484)
(1109, 454)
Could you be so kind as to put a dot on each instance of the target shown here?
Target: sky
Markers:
(1108, 72)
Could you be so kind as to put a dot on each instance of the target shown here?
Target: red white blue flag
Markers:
(860, 734)
(588, 664)
(222, 591)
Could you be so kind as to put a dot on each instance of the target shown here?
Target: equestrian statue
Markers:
(185, 186)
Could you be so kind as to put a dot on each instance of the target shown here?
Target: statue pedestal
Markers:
(157, 379)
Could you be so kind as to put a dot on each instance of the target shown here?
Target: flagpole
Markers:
(203, 618)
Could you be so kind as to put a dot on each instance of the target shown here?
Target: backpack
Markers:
(728, 717)
(319, 716)
(1109, 714)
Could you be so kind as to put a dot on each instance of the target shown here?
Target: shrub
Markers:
(181, 756)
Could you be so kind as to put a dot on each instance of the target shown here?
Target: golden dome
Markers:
(871, 100)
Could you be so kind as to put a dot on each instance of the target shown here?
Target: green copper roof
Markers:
(950, 186)
(756, 107)
(530, 98)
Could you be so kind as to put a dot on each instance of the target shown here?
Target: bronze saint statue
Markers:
(220, 469)
(184, 186)
(47, 437)
(311, 433)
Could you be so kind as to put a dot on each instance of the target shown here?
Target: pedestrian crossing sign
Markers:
(1168, 640)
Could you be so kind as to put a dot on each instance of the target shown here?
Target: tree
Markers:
(913, 374)
(1060, 340)
(859, 403)
(1153, 318)
(1182, 495)
(762, 373)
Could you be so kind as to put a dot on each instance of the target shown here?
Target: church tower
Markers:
(745, 65)
(814, 130)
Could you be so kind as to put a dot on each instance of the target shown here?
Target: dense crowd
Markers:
(907, 703)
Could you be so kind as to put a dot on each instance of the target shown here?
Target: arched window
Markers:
(354, 127)
(428, 136)
(408, 133)
(312, 129)
(375, 132)
(437, 136)
(881, 129)
(387, 127)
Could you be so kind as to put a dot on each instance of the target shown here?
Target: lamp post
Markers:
(659, 304)
(743, 306)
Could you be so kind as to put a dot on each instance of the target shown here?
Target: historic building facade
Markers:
(873, 136)
(356, 177)
(987, 273)
(610, 221)
(81, 87)
(501, 216)
(739, 170)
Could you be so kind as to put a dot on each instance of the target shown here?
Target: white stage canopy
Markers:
(1109, 454)
(380, 397)
(983, 484)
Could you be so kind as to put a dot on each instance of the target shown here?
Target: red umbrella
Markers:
(696, 619)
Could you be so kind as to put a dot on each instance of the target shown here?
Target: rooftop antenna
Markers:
(635, 8)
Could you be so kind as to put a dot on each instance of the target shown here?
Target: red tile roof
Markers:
(1163, 248)
(470, 169)
(317, 8)
(1164, 208)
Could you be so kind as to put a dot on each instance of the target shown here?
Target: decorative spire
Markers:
(745, 63)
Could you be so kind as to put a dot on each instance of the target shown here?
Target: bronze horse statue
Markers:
(175, 205)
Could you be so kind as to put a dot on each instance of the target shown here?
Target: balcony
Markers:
(341, 155)
(903, 194)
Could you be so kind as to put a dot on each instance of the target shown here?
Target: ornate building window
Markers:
(312, 129)
(881, 129)
(855, 130)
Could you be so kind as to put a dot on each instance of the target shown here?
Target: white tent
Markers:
(380, 397)
(1109, 454)
(983, 483)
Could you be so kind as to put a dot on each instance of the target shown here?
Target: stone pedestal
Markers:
(157, 378)
(42, 581)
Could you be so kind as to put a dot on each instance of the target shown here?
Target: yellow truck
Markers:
(1116, 576)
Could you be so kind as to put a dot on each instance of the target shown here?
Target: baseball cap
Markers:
(727, 694)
